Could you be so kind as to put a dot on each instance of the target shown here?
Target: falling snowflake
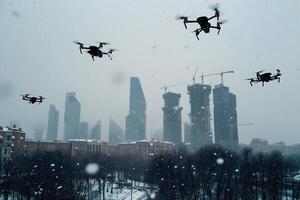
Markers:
(220, 161)
(152, 196)
(59, 187)
(92, 168)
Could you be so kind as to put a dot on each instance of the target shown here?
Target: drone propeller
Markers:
(41, 97)
(278, 71)
(181, 17)
(219, 23)
(112, 50)
(260, 71)
(184, 18)
(215, 7)
(80, 45)
(249, 79)
(103, 43)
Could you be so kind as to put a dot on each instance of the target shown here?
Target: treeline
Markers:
(54, 176)
(211, 173)
(218, 174)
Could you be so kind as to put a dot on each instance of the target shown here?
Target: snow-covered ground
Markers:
(126, 193)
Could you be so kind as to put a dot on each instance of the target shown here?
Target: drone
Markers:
(265, 77)
(204, 21)
(95, 51)
(33, 99)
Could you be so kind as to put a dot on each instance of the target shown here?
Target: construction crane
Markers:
(246, 124)
(194, 77)
(220, 73)
(169, 86)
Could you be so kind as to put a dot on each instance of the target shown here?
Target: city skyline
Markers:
(169, 55)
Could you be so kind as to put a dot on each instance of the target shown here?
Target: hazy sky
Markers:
(37, 56)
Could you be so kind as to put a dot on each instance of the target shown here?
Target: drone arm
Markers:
(216, 27)
(188, 21)
(191, 21)
(212, 17)
(85, 47)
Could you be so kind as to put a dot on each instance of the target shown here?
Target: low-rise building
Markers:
(32, 147)
(146, 148)
(12, 142)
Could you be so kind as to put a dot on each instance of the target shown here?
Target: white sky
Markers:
(38, 57)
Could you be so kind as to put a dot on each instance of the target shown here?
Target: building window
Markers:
(8, 137)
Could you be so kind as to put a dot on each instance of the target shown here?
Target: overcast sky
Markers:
(37, 56)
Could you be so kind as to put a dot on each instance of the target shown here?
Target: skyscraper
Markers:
(136, 120)
(172, 127)
(84, 130)
(200, 115)
(225, 117)
(72, 116)
(96, 131)
(187, 132)
(53, 117)
(116, 133)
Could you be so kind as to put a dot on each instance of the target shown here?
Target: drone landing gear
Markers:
(93, 58)
(198, 31)
(216, 27)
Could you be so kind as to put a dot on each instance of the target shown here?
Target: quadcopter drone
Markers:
(95, 51)
(265, 77)
(204, 21)
(33, 99)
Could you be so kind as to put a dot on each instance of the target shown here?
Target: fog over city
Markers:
(38, 56)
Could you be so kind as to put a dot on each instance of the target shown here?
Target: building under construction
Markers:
(201, 133)
(172, 118)
(225, 117)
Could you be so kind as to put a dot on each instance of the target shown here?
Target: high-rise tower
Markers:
(116, 133)
(96, 131)
(72, 116)
(84, 130)
(136, 120)
(53, 117)
(201, 134)
(187, 132)
(172, 127)
(225, 117)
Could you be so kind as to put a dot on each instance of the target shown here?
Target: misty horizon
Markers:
(39, 58)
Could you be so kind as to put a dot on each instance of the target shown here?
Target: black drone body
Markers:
(265, 77)
(33, 99)
(203, 22)
(95, 51)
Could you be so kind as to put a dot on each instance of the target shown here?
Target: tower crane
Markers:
(195, 75)
(170, 86)
(213, 74)
(246, 124)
